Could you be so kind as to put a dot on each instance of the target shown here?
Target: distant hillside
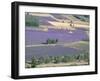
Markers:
(58, 21)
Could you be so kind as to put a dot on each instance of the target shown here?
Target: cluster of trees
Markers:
(31, 20)
(59, 59)
(51, 41)
(82, 17)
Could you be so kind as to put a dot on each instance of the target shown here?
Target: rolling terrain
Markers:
(70, 31)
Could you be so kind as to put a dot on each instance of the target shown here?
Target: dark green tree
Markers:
(33, 62)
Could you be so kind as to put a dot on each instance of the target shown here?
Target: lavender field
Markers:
(64, 36)
(49, 45)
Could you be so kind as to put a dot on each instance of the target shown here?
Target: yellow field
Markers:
(62, 64)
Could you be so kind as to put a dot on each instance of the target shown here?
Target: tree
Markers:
(33, 62)
(86, 57)
(64, 59)
(40, 60)
(47, 59)
(56, 59)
